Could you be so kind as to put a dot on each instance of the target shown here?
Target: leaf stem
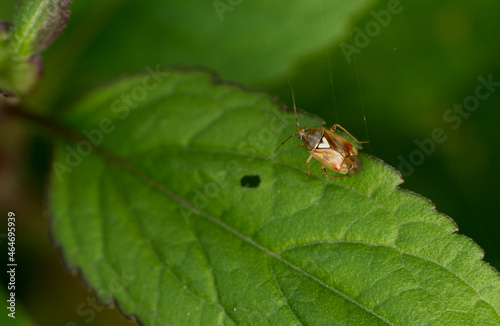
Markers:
(17, 111)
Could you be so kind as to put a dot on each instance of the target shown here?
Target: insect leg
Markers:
(307, 166)
(353, 164)
(347, 132)
(332, 176)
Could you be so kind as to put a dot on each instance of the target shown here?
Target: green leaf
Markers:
(36, 25)
(147, 202)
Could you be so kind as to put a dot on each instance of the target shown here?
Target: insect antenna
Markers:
(294, 107)
(283, 143)
(296, 119)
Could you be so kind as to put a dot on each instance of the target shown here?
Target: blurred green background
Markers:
(426, 59)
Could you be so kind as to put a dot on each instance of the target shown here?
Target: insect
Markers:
(330, 149)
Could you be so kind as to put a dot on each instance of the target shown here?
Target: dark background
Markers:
(427, 58)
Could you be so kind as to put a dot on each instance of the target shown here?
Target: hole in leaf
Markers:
(250, 181)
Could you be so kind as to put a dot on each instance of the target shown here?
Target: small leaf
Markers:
(36, 25)
(150, 206)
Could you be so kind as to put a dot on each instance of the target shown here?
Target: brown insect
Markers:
(330, 149)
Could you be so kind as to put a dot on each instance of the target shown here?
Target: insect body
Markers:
(330, 149)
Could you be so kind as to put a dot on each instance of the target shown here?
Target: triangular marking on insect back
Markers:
(323, 143)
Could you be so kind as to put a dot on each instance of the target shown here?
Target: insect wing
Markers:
(354, 164)
(330, 159)
(346, 159)
(339, 143)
